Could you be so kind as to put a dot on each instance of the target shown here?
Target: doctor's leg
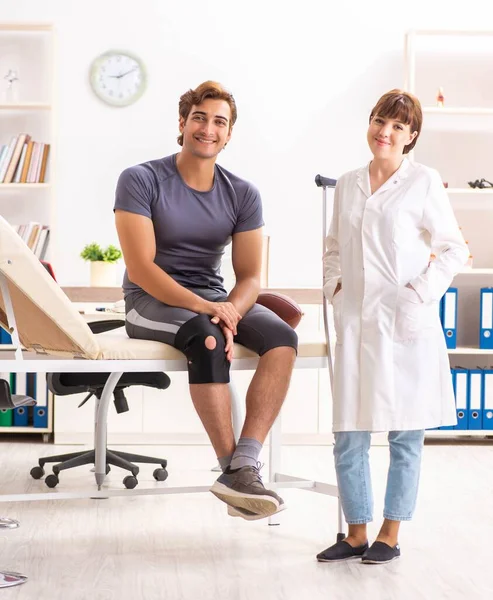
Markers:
(353, 479)
(402, 482)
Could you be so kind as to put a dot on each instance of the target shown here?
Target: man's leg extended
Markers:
(212, 401)
(261, 331)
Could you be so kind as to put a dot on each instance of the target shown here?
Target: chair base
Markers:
(124, 460)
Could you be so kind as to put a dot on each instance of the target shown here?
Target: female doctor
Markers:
(391, 365)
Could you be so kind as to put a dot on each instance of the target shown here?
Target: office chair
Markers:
(63, 384)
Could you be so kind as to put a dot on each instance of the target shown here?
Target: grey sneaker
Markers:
(243, 488)
(248, 515)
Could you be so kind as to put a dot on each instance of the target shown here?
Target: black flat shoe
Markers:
(341, 551)
(380, 553)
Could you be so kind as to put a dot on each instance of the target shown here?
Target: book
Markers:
(27, 161)
(7, 158)
(18, 171)
(44, 162)
(16, 154)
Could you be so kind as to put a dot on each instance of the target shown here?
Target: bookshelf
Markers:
(454, 140)
(28, 49)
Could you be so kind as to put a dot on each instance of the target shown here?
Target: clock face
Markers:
(118, 78)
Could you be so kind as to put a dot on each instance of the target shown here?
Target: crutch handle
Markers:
(325, 181)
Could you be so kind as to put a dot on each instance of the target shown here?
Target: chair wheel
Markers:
(37, 472)
(108, 469)
(160, 474)
(52, 481)
(130, 482)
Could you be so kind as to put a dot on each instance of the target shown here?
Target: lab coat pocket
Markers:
(413, 318)
(337, 309)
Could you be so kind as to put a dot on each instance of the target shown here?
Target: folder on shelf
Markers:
(487, 399)
(486, 319)
(20, 418)
(40, 418)
(461, 397)
(449, 317)
(5, 337)
(5, 413)
(475, 412)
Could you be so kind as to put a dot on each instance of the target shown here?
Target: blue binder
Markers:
(475, 388)
(461, 397)
(40, 418)
(449, 317)
(487, 399)
(20, 418)
(486, 319)
(21, 415)
(5, 337)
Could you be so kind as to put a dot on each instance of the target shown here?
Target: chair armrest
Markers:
(284, 307)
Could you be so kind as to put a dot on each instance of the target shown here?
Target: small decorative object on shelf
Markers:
(440, 98)
(445, 184)
(12, 89)
(480, 184)
(103, 264)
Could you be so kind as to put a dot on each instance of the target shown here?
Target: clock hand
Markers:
(131, 71)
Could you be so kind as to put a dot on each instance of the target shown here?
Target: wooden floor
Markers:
(186, 547)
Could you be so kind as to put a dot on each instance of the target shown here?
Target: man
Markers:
(174, 217)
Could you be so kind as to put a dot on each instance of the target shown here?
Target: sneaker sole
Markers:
(265, 506)
(379, 562)
(334, 560)
(232, 512)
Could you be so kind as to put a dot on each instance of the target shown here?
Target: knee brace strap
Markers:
(204, 365)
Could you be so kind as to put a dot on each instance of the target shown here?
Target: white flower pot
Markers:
(103, 274)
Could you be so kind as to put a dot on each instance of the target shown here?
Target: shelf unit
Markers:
(29, 49)
(453, 141)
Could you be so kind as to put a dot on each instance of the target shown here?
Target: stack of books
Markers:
(36, 237)
(23, 160)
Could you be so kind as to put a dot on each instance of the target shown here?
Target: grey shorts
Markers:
(259, 330)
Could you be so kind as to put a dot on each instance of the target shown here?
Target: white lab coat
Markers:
(391, 369)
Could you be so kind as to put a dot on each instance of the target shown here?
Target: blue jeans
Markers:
(354, 481)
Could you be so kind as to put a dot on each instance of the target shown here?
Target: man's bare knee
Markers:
(210, 342)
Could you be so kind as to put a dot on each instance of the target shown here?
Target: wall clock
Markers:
(118, 78)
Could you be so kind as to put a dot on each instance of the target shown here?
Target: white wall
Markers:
(304, 74)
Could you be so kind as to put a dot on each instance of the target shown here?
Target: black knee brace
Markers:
(204, 365)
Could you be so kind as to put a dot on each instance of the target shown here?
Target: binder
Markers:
(452, 374)
(461, 397)
(488, 399)
(449, 317)
(20, 418)
(5, 413)
(5, 417)
(40, 418)
(5, 337)
(475, 412)
(486, 319)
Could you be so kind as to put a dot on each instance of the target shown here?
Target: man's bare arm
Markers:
(247, 264)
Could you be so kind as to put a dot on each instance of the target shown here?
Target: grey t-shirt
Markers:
(192, 228)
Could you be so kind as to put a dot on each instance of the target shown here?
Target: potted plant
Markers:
(103, 263)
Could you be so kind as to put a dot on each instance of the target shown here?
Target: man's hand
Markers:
(224, 312)
(228, 336)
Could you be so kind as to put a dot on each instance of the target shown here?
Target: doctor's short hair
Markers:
(403, 106)
(208, 89)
